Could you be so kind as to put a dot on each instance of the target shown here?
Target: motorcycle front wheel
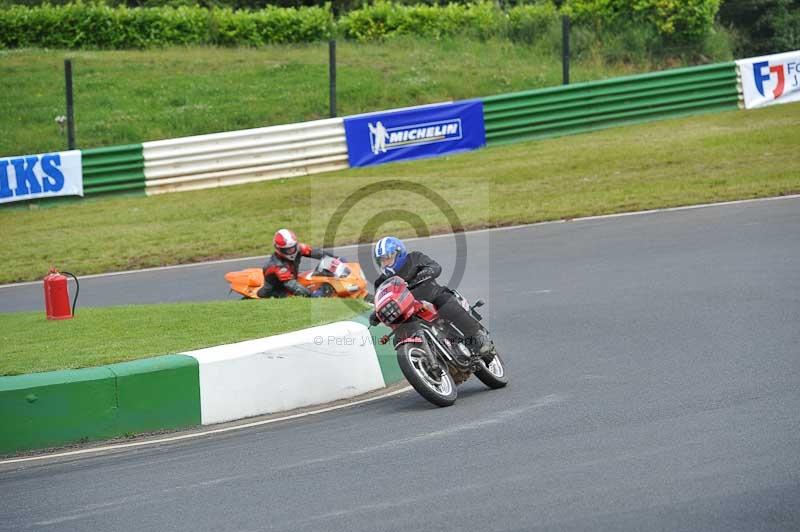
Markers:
(437, 387)
(493, 374)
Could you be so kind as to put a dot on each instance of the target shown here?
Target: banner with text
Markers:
(771, 79)
(41, 176)
(414, 133)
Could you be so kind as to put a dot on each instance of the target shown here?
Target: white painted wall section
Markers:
(287, 371)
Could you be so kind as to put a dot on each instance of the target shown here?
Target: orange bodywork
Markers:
(354, 286)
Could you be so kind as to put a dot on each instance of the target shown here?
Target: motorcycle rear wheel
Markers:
(412, 359)
(493, 374)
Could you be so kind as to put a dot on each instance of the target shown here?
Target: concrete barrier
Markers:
(60, 407)
(275, 374)
(288, 371)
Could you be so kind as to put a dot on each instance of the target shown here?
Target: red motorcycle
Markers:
(433, 354)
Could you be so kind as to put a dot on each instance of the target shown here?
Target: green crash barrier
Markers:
(113, 169)
(596, 105)
(157, 393)
(54, 408)
(387, 358)
(60, 407)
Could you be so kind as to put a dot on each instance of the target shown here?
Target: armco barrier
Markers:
(237, 157)
(292, 150)
(113, 169)
(58, 407)
(596, 105)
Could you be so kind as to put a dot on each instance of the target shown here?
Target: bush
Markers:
(762, 26)
(636, 23)
(386, 19)
(676, 20)
(528, 23)
(81, 25)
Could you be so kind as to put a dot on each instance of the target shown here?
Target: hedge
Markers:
(98, 25)
(678, 19)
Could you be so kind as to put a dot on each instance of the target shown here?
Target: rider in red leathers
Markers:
(280, 271)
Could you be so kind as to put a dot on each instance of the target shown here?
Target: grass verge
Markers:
(99, 336)
(124, 97)
(720, 157)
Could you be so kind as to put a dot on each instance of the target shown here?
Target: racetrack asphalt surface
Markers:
(655, 385)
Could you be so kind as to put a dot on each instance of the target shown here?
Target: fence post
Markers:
(332, 75)
(332, 59)
(70, 110)
(565, 49)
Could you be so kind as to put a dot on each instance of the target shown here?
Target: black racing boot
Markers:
(486, 348)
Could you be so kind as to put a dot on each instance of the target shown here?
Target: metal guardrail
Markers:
(596, 105)
(290, 150)
(245, 156)
(113, 169)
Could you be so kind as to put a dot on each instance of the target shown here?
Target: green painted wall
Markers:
(54, 408)
(387, 358)
(61, 407)
(157, 393)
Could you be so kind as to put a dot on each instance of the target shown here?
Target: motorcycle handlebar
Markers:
(419, 281)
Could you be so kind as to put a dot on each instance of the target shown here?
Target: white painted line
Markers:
(413, 239)
(205, 433)
(145, 270)
(604, 216)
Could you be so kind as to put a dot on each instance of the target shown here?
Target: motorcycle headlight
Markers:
(389, 312)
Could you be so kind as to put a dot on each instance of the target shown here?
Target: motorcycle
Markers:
(433, 354)
(331, 277)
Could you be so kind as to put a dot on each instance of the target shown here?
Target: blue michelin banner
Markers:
(414, 133)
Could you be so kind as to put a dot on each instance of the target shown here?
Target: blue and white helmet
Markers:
(390, 247)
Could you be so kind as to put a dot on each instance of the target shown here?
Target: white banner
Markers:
(41, 176)
(770, 79)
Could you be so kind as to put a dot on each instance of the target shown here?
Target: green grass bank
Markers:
(719, 157)
(101, 336)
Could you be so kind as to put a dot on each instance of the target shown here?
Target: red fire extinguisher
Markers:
(56, 296)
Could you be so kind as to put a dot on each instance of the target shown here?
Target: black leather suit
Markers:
(419, 266)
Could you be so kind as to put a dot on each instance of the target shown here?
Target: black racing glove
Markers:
(423, 276)
(373, 319)
(293, 286)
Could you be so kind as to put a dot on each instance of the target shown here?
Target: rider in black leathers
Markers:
(420, 271)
